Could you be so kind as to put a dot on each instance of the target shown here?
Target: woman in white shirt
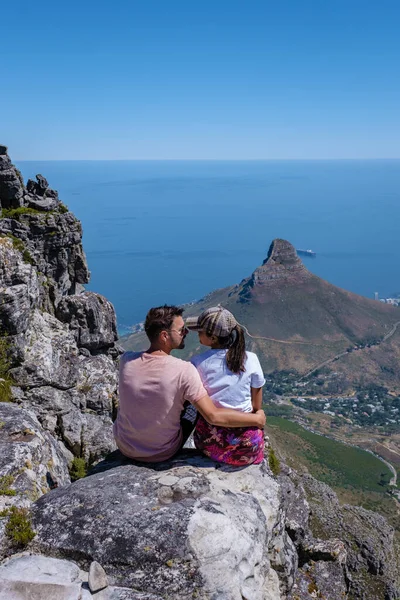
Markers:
(233, 378)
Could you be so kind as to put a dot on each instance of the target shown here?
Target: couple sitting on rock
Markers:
(219, 394)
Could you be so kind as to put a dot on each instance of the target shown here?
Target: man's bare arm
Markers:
(226, 417)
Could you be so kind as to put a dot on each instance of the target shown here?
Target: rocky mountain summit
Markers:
(188, 528)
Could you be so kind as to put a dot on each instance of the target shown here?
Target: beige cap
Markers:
(214, 321)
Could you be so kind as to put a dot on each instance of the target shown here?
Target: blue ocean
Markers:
(160, 232)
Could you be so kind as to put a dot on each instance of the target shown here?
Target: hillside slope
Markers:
(297, 320)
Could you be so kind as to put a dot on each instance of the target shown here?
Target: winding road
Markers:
(330, 360)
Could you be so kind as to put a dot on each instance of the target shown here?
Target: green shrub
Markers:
(6, 381)
(273, 462)
(62, 208)
(19, 527)
(78, 468)
(27, 257)
(5, 482)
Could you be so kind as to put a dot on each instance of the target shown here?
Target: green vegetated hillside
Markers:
(297, 320)
(357, 476)
(337, 464)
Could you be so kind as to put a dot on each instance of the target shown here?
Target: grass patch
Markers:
(334, 463)
(15, 213)
(78, 468)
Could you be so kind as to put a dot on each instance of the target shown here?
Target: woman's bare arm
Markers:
(256, 398)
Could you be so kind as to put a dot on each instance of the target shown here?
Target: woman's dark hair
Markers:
(236, 355)
(159, 319)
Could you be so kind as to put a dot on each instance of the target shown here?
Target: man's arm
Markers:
(226, 417)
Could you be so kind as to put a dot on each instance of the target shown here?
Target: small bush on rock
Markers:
(19, 527)
(5, 380)
(273, 462)
(78, 469)
(62, 208)
(5, 482)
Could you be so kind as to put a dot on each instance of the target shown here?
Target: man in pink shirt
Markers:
(153, 388)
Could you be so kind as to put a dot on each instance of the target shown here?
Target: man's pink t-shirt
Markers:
(152, 391)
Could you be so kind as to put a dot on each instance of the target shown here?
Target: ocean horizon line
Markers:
(214, 160)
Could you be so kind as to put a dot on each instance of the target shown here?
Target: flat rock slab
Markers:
(39, 578)
(24, 590)
(186, 527)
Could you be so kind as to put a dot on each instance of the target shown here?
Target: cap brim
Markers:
(192, 323)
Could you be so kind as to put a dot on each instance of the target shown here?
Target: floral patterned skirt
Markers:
(237, 446)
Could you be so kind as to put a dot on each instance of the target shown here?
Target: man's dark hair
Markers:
(159, 319)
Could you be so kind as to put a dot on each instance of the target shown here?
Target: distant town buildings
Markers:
(392, 301)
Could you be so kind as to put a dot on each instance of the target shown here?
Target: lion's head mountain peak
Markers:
(295, 321)
(187, 528)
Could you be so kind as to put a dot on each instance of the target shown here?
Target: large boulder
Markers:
(31, 460)
(183, 529)
(91, 318)
(80, 415)
(50, 355)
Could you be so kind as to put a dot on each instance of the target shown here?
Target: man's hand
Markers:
(227, 417)
(262, 418)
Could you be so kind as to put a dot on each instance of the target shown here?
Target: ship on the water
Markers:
(302, 252)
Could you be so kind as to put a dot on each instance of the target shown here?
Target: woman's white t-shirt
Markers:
(227, 389)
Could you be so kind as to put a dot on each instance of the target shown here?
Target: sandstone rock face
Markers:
(366, 536)
(11, 186)
(60, 340)
(31, 460)
(19, 288)
(54, 241)
(91, 318)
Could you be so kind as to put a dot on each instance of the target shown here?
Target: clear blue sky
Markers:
(220, 79)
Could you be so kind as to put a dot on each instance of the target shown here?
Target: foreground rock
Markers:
(177, 529)
(188, 528)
